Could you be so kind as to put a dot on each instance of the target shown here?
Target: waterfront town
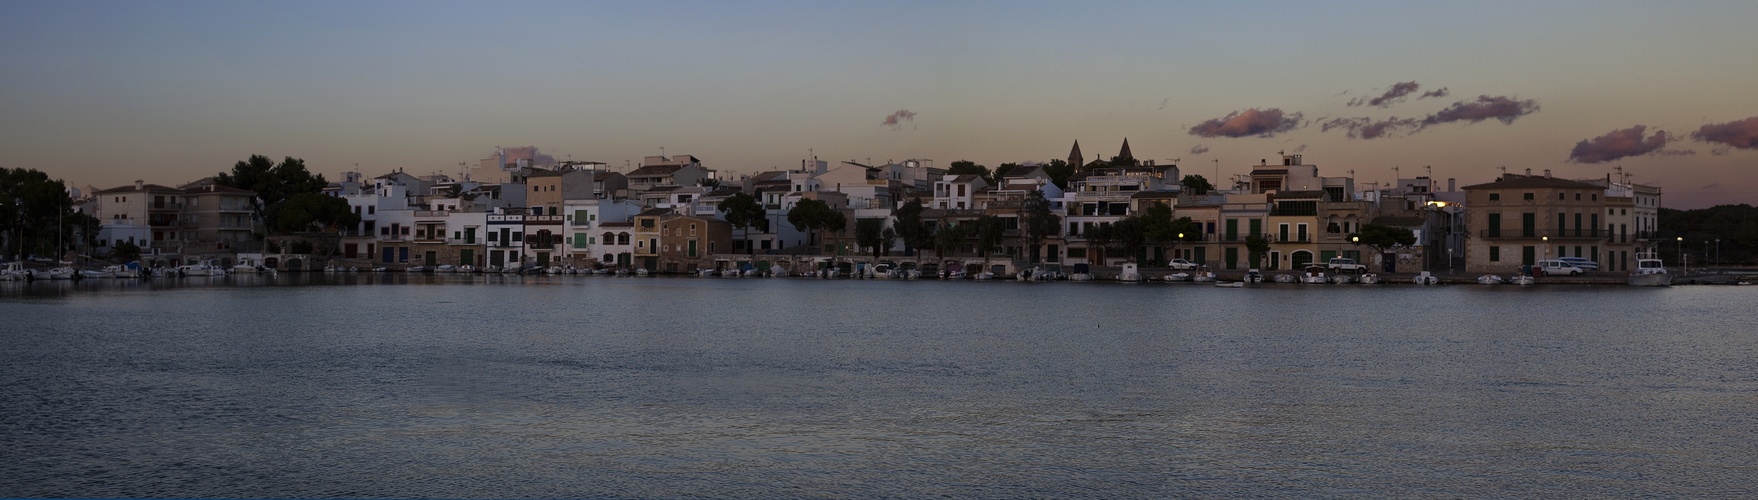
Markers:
(1121, 218)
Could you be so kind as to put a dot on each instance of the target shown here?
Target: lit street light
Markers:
(1682, 260)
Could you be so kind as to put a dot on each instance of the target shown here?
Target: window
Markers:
(491, 236)
(1577, 196)
(1560, 196)
(371, 209)
(1528, 196)
(1495, 254)
(1495, 229)
(1529, 225)
(518, 235)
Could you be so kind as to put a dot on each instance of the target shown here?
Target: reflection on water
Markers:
(312, 385)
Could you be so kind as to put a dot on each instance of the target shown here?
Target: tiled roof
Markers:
(1514, 181)
(655, 170)
(130, 189)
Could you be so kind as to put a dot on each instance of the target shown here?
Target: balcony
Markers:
(169, 207)
(1555, 234)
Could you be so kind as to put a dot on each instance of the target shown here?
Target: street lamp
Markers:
(1543, 252)
(1682, 260)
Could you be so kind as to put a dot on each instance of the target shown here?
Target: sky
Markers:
(105, 93)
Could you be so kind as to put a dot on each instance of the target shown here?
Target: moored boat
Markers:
(1650, 272)
(1314, 275)
(1523, 279)
(1370, 279)
(1489, 279)
(1426, 279)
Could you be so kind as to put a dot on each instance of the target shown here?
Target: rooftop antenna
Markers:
(662, 152)
(1218, 169)
(1430, 170)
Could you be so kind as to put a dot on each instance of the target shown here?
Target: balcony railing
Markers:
(1580, 233)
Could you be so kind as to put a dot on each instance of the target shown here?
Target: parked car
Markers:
(1345, 264)
(1581, 262)
(1180, 264)
(1555, 267)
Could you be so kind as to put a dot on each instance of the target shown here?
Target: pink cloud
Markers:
(895, 121)
(1621, 144)
(1485, 107)
(1251, 122)
(1741, 134)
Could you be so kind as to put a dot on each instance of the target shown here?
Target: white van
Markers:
(1555, 267)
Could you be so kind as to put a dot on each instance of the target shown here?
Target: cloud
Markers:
(1741, 134)
(1164, 101)
(1485, 107)
(1622, 144)
(1712, 185)
(1441, 92)
(1301, 148)
(1392, 96)
(528, 153)
(1251, 122)
(895, 121)
(1367, 128)
(1199, 149)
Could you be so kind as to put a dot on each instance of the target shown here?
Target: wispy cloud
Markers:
(1622, 144)
(1251, 122)
(1441, 92)
(895, 121)
(1367, 128)
(1741, 134)
(1502, 108)
(1391, 96)
(1199, 149)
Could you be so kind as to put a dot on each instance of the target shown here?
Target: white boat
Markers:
(14, 271)
(706, 273)
(1130, 273)
(62, 273)
(1284, 278)
(445, 269)
(1370, 279)
(1489, 279)
(641, 272)
(553, 270)
(124, 271)
(985, 276)
(1650, 272)
(1204, 277)
(467, 269)
(1523, 279)
(1425, 279)
(199, 270)
(1254, 276)
(1314, 275)
(105, 273)
(378, 269)
(622, 272)
(353, 269)
(1178, 277)
(331, 268)
(1080, 277)
(1341, 279)
(415, 269)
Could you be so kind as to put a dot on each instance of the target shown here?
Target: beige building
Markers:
(216, 218)
(1520, 219)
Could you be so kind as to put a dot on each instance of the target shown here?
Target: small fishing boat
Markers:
(1254, 276)
(1650, 272)
(1370, 279)
(1425, 279)
(1284, 278)
(1524, 279)
(1489, 279)
(1314, 275)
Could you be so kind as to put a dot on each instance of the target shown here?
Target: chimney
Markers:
(1529, 171)
(1449, 184)
(1547, 173)
(138, 185)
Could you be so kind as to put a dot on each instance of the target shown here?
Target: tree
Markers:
(272, 183)
(990, 231)
(815, 215)
(1002, 169)
(887, 238)
(35, 213)
(1039, 221)
(125, 251)
(967, 167)
(948, 238)
(909, 225)
(311, 212)
(1197, 185)
(1159, 227)
(1257, 246)
(1059, 172)
(1119, 161)
(744, 212)
(1380, 237)
(870, 232)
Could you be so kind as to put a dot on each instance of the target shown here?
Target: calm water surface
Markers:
(413, 386)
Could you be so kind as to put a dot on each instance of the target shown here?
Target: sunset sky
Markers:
(103, 93)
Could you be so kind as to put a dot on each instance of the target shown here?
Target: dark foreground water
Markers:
(400, 386)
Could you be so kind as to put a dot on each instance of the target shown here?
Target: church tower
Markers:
(1074, 158)
(1124, 153)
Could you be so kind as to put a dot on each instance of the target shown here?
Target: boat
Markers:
(1130, 273)
(1203, 275)
(1425, 279)
(63, 273)
(415, 269)
(1489, 279)
(1284, 278)
(1341, 279)
(331, 268)
(1254, 276)
(1523, 279)
(641, 272)
(445, 269)
(353, 269)
(14, 271)
(622, 272)
(1314, 275)
(1229, 284)
(706, 273)
(104, 273)
(247, 266)
(467, 269)
(985, 275)
(1650, 272)
(378, 269)
(129, 270)
(1178, 277)
(1370, 279)
(1080, 277)
(199, 270)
